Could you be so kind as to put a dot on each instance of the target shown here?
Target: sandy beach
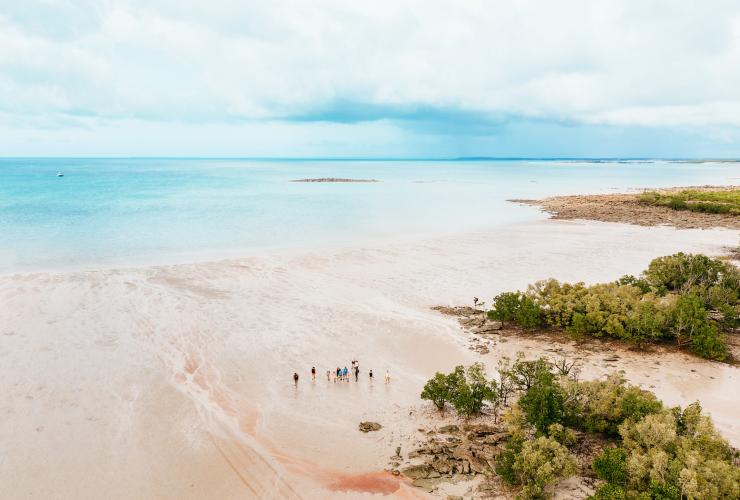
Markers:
(176, 381)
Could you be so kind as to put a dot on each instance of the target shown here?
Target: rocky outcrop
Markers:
(488, 327)
(370, 426)
(448, 429)
(420, 471)
(452, 450)
(460, 311)
(475, 320)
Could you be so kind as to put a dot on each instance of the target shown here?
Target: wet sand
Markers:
(176, 381)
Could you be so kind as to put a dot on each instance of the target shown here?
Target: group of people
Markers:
(343, 374)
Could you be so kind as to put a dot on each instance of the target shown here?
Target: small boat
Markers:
(60, 174)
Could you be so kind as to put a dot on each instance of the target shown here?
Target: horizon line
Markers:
(381, 158)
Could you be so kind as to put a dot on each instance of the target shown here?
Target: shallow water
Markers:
(112, 212)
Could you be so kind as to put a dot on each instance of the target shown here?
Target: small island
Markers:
(333, 179)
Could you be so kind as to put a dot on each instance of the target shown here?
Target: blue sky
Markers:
(399, 78)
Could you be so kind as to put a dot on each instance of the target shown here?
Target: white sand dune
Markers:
(176, 381)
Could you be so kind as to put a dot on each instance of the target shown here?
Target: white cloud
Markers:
(645, 63)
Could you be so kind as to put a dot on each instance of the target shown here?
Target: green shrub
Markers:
(680, 272)
(559, 301)
(562, 435)
(669, 455)
(677, 204)
(639, 283)
(609, 492)
(516, 307)
(505, 460)
(533, 463)
(506, 307)
(730, 278)
(611, 466)
(580, 325)
(635, 403)
(507, 383)
(529, 315)
(678, 451)
(687, 315)
(664, 491)
(543, 403)
(539, 463)
(596, 310)
(524, 373)
(724, 201)
(466, 390)
(724, 300)
(709, 343)
(471, 389)
(603, 405)
(691, 326)
(646, 324)
(437, 390)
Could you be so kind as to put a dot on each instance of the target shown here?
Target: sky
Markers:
(372, 78)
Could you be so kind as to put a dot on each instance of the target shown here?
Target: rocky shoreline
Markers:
(453, 453)
(627, 208)
(476, 322)
(462, 457)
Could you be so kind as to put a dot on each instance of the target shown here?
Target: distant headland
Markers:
(334, 179)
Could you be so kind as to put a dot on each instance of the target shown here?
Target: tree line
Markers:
(690, 300)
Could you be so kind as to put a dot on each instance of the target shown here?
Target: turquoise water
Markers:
(130, 211)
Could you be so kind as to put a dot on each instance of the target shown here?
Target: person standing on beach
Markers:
(357, 373)
(387, 377)
(371, 375)
(345, 374)
(295, 379)
(339, 374)
(328, 375)
(313, 373)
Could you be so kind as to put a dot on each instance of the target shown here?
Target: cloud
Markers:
(428, 67)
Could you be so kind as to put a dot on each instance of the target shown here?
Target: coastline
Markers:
(287, 250)
(196, 358)
(627, 208)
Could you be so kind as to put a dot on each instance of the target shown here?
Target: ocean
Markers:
(120, 212)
